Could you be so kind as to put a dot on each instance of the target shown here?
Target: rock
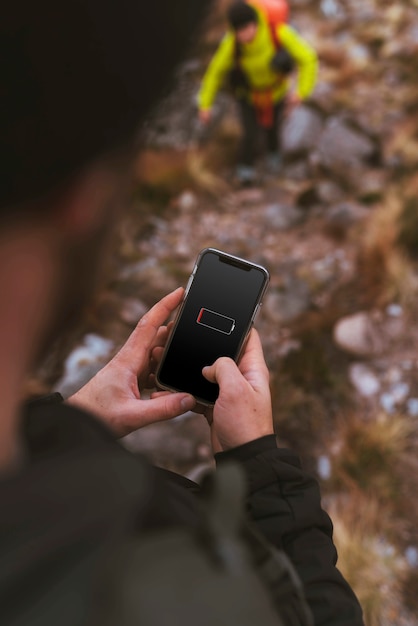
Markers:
(324, 97)
(399, 392)
(404, 47)
(343, 149)
(358, 334)
(411, 555)
(83, 363)
(329, 192)
(324, 467)
(412, 407)
(394, 397)
(297, 170)
(301, 131)
(132, 310)
(359, 54)
(323, 271)
(332, 9)
(371, 187)
(289, 302)
(280, 216)
(148, 278)
(393, 376)
(341, 217)
(387, 403)
(308, 197)
(394, 310)
(364, 380)
(246, 197)
(187, 201)
(345, 213)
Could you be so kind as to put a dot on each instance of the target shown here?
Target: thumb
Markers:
(223, 369)
(157, 409)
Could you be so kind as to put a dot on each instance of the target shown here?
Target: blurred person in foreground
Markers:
(76, 81)
(256, 58)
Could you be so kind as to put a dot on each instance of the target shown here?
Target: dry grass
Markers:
(373, 566)
(369, 456)
(387, 273)
(371, 496)
(404, 140)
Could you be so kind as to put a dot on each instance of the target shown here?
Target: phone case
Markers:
(215, 324)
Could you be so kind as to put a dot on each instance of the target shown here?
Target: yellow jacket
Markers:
(255, 59)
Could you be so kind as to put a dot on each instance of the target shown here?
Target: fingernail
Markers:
(187, 403)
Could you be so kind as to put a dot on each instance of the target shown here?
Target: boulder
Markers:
(364, 380)
(301, 131)
(343, 149)
(358, 334)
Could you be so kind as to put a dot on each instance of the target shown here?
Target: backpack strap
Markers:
(275, 35)
(224, 517)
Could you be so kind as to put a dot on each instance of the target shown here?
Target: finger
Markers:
(157, 353)
(253, 351)
(135, 352)
(159, 341)
(161, 336)
(252, 367)
(160, 394)
(252, 364)
(163, 407)
(150, 383)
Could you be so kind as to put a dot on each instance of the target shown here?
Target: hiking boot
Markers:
(246, 174)
(273, 162)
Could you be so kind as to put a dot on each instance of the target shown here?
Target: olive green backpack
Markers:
(222, 573)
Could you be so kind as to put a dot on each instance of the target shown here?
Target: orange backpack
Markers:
(276, 11)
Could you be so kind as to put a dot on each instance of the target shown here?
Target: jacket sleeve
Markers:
(216, 72)
(284, 501)
(304, 56)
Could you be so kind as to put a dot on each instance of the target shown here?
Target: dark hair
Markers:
(240, 14)
(77, 77)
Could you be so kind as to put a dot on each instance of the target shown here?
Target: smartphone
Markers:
(221, 300)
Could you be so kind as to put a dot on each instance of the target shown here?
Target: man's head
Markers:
(77, 80)
(243, 19)
(77, 77)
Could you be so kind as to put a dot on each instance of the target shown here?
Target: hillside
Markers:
(338, 231)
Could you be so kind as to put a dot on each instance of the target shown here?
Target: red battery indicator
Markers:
(216, 321)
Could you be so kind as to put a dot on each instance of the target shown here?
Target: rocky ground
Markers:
(338, 230)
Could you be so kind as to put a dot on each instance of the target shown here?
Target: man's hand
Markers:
(205, 116)
(114, 394)
(292, 102)
(243, 410)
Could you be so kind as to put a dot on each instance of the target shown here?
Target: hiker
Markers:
(77, 86)
(256, 58)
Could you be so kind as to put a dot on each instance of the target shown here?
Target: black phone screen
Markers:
(214, 321)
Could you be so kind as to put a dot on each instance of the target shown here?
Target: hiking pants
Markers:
(251, 130)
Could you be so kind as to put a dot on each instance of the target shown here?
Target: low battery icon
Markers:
(216, 321)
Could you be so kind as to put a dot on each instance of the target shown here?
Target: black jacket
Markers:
(80, 490)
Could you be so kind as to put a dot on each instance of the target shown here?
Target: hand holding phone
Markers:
(243, 409)
(114, 394)
(221, 301)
